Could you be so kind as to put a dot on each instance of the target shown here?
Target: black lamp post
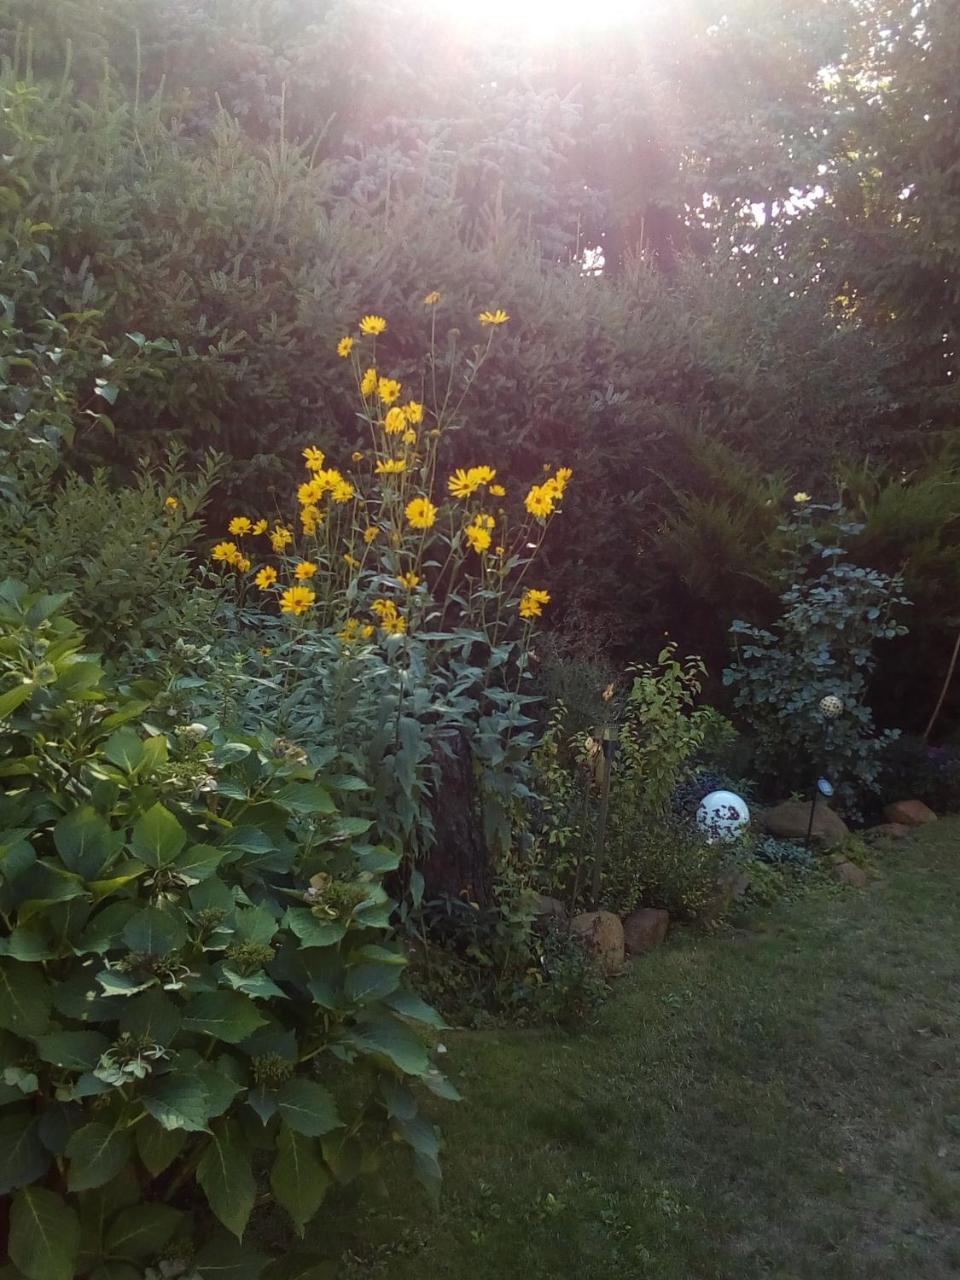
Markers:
(830, 707)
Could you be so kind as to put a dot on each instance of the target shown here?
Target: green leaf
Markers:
(227, 1015)
(307, 1107)
(73, 1050)
(305, 798)
(157, 837)
(158, 1147)
(152, 1014)
(301, 1264)
(199, 861)
(14, 698)
(223, 1258)
(178, 1101)
(124, 749)
(225, 1174)
(311, 930)
(411, 1006)
(154, 932)
(104, 930)
(221, 1089)
(368, 982)
(142, 1230)
(298, 1178)
(393, 1040)
(83, 840)
(23, 1157)
(97, 1153)
(44, 1235)
(25, 999)
(27, 944)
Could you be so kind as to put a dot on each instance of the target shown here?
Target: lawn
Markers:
(779, 1099)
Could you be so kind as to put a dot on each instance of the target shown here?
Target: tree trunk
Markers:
(459, 862)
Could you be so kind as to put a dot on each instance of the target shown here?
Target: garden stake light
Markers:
(831, 707)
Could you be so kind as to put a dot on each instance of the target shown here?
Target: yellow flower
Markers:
(532, 602)
(311, 518)
(304, 570)
(242, 564)
(395, 421)
(281, 537)
(540, 500)
(390, 467)
(462, 483)
(499, 551)
(342, 491)
(410, 580)
(260, 527)
(421, 513)
(311, 491)
(801, 497)
(356, 456)
(372, 324)
(494, 317)
(297, 600)
(483, 520)
(239, 525)
(370, 533)
(313, 457)
(560, 481)
(171, 503)
(432, 298)
(354, 629)
(391, 620)
(414, 411)
(483, 474)
(352, 561)
(344, 347)
(225, 553)
(497, 491)
(410, 436)
(388, 389)
(368, 383)
(478, 537)
(266, 577)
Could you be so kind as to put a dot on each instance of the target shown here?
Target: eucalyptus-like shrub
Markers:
(200, 1007)
(821, 647)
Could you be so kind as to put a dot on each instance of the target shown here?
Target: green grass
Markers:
(781, 1099)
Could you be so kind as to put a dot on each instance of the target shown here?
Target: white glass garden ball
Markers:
(831, 706)
(722, 815)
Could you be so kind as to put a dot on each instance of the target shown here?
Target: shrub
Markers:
(199, 1002)
(664, 862)
(911, 769)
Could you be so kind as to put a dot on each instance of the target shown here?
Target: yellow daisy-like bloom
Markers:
(494, 317)
(311, 491)
(260, 527)
(281, 537)
(395, 421)
(242, 564)
(356, 456)
(421, 513)
(484, 474)
(432, 298)
(342, 491)
(297, 600)
(225, 553)
(540, 501)
(390, 467)
(463, 483)
(799, 498)
(314, 458)
(497, 491)
(388, 389)
(171, 503)
(368, 383)
(344, 347)
(311, 518)
(410, 436)
(391, 620)
(532, 602)
(410, 580)
(414, 411)
(266, 577)
(354, 630)
(483, 520)
(304, 570)
(560, 480)
(499, 551)
(372, 325)
(239, 525)
(478, 537)
(352, 561)
(370, 533)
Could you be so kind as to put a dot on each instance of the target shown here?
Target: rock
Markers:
(909, 813)
(545, 906)
(730, 888)
(602, 932)
(645, 929)
(888, 831)
(849, 873)
(790, 820)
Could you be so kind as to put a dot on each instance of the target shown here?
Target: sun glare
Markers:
(539, 16)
